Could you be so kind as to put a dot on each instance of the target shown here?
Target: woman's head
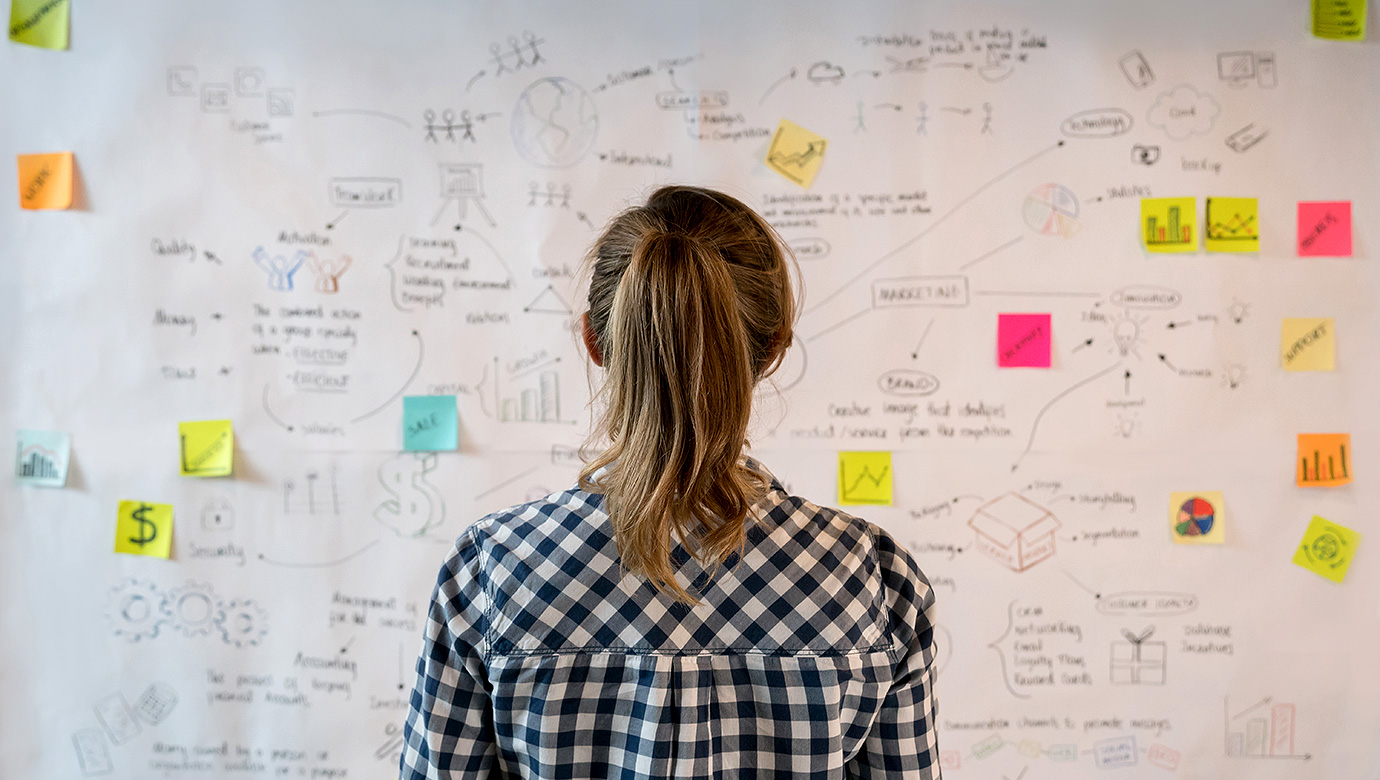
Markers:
(690, 305)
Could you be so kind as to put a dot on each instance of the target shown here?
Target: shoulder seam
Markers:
(884, 614)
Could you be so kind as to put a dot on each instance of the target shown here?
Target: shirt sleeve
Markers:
(902, 742)
(449, 731)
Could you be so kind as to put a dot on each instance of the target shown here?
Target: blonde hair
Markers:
(690, 306)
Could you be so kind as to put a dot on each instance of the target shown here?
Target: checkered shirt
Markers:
(811, 657)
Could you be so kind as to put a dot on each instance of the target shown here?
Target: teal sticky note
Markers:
(41, 458)
(431, 423)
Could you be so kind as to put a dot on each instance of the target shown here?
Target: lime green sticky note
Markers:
(1327, 548)
(1340, 20)
(41, 23)
(142, 528)
(865, 478)
(1166, 224)
(207, 448)
(1232, 225)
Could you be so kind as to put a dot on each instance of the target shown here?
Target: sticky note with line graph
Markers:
(865, 478)
(206, 447)
(1232, 225)
(796, 153)
(1324, 460)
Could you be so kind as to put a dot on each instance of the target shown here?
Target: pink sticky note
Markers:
(1325, 229)
(1023, 340)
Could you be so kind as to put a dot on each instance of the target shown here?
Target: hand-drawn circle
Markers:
(1146, 296)
(1051, 210)
(1327, 546)
(554, 123)
(1097, 123)
(907, 382)
(809, 248)
(1196, 517)
(135, 610)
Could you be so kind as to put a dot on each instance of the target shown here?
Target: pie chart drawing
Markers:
(1195, 517)
(1052, 210)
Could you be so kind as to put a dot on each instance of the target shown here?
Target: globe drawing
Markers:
(554, 123)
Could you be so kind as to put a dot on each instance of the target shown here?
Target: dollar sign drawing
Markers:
(416, 504)
(147, 530)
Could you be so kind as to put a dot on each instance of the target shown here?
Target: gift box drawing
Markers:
(1138, 661)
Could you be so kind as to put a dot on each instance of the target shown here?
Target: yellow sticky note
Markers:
(1308, 344)
(1232, 225)
(796, 153)
(40, 22)
(1167, 224)
(1340, 20)
(207, 448)
(1197, 518)
(45, 180)
(865, 478)
(142, 528)
(1327, 548)
(1324, 460)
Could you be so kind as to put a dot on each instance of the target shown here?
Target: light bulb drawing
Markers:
(1126, 335)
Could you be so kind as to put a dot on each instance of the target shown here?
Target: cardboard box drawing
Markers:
(1015, 531)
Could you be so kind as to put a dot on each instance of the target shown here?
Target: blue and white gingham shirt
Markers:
(813, 656)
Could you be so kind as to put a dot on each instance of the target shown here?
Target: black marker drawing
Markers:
(1138, 661)
(182, 81)
(415, 505)
(554, 123)
(1137, 70)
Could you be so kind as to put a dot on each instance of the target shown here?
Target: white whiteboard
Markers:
(203, 133)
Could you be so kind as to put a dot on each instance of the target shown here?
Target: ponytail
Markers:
(690, 305)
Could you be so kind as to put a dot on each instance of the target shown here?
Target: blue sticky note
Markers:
(430, 423)
(41, 458)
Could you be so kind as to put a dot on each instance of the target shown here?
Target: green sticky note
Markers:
(42, 23)
(1340, 20)
(1327, 548)
(142, 528)
(865, 478)
(207, 448)
(431, 423)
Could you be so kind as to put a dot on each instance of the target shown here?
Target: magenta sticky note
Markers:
(1023, 340)
(1325, 229)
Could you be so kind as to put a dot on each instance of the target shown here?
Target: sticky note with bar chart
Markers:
(1167, 224)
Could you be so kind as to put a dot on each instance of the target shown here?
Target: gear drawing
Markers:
(191, 609)
(241, 623)
(135, 610)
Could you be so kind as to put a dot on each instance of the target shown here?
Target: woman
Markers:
(677, 614)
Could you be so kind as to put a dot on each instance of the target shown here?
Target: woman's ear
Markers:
(591, 341)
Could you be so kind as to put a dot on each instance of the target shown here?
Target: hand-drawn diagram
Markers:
(415, 506)
(1014, 531)
(93, 757)
(1265, 729)
(548, 301)
(1052, 210)
(328, 271)
(463, 184)
(279, 268)
(1138, 661)
(1238, 68)
(138, 609)
(1137, 70)
(1183, 112)
(218, 514)
(554, 123)
(117, 719)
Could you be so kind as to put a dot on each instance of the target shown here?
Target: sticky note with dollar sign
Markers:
(143, 528)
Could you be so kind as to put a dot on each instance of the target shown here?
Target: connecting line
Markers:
(1035, 426)
(903, 247)
(1008, 244)
(363, 112)
(837, 325)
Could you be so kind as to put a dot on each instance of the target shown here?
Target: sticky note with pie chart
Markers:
(1197, 518)
(796, 153)
(1167, 224)
(1327, 548)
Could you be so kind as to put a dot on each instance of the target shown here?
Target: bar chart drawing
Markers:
(536, 398)
(1265, 729)
(35, 462)
(1323, 459)
(1172, 234)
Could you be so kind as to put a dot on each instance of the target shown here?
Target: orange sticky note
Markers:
(45, 180)
(1324, 460)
